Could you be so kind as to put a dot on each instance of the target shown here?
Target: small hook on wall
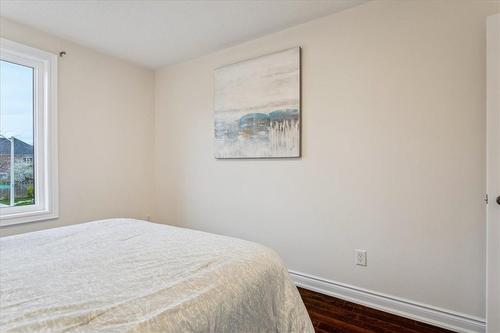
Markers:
(62, 54)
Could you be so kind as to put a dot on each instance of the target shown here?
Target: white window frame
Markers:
(44, 66)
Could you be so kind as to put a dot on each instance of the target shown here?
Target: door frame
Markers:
(493, 174)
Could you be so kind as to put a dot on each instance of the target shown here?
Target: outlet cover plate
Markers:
(360, 257)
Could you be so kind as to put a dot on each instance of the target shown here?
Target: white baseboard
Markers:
(429, 314)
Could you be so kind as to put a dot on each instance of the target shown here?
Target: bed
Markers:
(124, 275)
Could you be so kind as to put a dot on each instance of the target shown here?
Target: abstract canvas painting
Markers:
(257, 107)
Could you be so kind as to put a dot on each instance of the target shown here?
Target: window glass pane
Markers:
(16, 135)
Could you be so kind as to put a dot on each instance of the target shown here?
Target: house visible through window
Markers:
(28, 140)
(16, 135)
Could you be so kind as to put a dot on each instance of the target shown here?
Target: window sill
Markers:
(26, 217)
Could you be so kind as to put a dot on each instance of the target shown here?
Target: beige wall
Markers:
(393, 152)
(105, 133)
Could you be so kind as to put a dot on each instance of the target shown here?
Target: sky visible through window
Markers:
(16, 101)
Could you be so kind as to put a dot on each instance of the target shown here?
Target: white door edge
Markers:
(493, 176)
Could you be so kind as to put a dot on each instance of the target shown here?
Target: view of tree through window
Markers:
(17, 186)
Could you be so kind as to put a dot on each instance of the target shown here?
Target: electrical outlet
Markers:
(360, 257)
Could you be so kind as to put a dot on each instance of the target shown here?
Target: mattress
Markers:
(124, 275)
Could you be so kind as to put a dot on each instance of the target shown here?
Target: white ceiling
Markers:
(157, 33)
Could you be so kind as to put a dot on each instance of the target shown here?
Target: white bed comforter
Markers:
(124, 275)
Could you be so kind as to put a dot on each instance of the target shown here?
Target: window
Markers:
(28, 141)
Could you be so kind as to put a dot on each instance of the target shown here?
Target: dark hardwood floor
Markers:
(333, 315)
